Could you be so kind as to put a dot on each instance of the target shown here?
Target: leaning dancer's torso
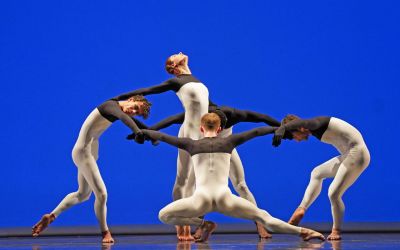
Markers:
(94, 125)
(341, 135)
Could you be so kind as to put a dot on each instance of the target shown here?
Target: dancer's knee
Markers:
(101, 196)
(81, 196)
(316, 174)
(164, 216)
(241, 188)
(79, 153)
(334, 195)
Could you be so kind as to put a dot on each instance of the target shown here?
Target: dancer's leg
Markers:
(325, 170)
(348, 172)
(85, 158)
(234, 206)
(236, 175)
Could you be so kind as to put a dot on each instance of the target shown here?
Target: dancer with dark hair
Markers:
(85, 155)
(344, 169)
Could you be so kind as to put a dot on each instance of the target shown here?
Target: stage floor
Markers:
(386, 241)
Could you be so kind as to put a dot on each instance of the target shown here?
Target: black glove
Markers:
(279, 133)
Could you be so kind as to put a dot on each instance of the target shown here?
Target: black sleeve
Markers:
(237, 139)
(310, 124)
(140, 124)
(174, 119)
(251, 116)
(163, 87)
(182, 143)
(126, 119)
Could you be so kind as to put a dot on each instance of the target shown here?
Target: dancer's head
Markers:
(177, 64)
(210, 124)
(137, 105)
(300, 134)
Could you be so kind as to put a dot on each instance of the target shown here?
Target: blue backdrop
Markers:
(60, 59)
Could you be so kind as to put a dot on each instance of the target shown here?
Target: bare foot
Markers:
(183, 233)
(187, 233)
(335, 235)
(107, 237)
(208, 227)
(262, 232)
(297, 216)
(197, 233)
(42, 224)
(308, 234)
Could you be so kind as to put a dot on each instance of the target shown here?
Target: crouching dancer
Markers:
(344, 169)
(211, 160)
(85, 155)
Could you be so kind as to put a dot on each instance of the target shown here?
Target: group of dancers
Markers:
(207, 158)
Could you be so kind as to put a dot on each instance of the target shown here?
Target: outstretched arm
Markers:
(174, 119)
(140, 124)
(251, 116)
(310, 124)
(237, 139)
(182, 143)
(163, 87)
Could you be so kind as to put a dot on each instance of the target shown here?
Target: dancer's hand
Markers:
(139, 137)
(131, 136)
(279, 133)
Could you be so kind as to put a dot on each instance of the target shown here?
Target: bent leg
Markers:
(81, 195)
(185, 211)
(84, 158)
(345, 177)
(236, 175)
(325, 170)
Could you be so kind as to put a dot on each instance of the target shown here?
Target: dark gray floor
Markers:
(386, 241)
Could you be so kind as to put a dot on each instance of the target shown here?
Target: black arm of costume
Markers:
(140, 124)
(182, 143)
(163, 87)
(128, 121)
(310, 124)
(241, 138)
(251, 116)
(174, 119)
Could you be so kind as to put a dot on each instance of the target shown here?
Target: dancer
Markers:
(211, 157)
(194, 97)
(344, 169)
(85, 155)
(229, 117)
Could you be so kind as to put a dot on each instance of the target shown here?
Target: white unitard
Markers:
(85, 155)
(211, 160)
(345, 169)
(194, 98)
(236, 172)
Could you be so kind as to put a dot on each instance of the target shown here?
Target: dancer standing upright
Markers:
(194, 96)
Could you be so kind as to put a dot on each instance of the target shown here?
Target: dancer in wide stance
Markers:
(211, 161)
(85, 155)
(229, 117)
(344, 169)
(194, 97)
